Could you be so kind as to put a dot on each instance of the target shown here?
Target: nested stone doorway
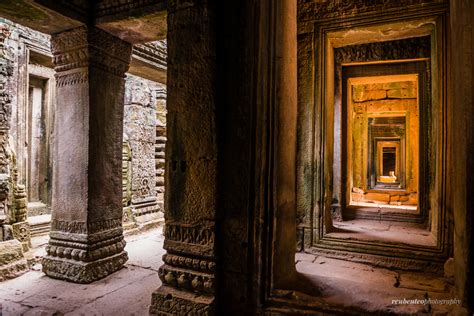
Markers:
(370, 150)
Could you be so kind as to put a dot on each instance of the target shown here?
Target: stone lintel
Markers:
(133, 21)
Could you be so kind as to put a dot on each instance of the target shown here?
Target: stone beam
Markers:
(133, 21)
(86, 241)
(149, 61)
(37, 16)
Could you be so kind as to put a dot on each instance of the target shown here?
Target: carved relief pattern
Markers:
(166, 305)
(79, 272)
(84, 228)
(418, 47)
(21, 232)
(315, 10)
(13, 199)
(187, 279)
(153, 51)
(107, 7)
(185, 268)
(140, 129)
(190, 263)
(143, 167)
(126, 175)
(5, 99)
(82, 47)
(83, 251)
(194, 234)
(69, 49)
(72, 78)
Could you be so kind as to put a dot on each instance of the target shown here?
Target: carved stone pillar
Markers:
(5, 112)
(139, 128)
(86, 228)
(188, 275)
(13, 224)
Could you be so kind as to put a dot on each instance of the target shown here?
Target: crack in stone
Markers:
(138, 266)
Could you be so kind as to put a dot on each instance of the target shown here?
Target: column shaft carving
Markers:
(86, 229)
(188, 273)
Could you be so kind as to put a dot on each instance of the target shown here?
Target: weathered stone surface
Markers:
(191, 164)
(12, 261)
(142, 110)
(360, 95)
(126, 292)
(86, 229)
(82, 272)
(402, 93)
(425, 282)
(142, 116)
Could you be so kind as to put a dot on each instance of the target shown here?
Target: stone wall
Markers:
(14, 229)
(144, 116)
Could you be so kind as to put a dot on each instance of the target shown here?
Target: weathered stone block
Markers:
(12, 261)
(168, 301)
(83, 272)
(391, 105)
(21, 232)
(402, 93)
(360, 95)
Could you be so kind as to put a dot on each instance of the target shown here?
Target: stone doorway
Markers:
(379, 92)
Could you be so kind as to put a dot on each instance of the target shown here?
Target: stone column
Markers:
(139, 128)
(461, 116)
(188, 275)
(160, 144)
(86, 228)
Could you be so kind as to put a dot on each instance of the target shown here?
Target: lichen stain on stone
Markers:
(22, 10)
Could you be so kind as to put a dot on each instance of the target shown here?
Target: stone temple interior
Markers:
(240, 157)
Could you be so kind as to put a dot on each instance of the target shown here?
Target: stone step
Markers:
(159, 147)
(39, 225)
(160, 139)
(40, 229)
(159, 155)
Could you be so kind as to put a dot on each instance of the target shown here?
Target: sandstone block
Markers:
(12, 261)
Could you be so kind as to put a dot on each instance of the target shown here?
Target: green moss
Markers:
(22, 10)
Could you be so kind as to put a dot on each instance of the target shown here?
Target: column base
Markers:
(83, 272)
(169, 301)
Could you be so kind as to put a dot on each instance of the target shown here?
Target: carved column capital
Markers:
(83, 47)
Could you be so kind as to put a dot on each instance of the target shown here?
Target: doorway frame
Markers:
(315, 166)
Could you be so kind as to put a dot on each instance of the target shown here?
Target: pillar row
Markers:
(86, 238)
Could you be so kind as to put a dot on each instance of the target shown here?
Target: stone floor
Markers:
(362, 287)
(385, 231)
(126, 292)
